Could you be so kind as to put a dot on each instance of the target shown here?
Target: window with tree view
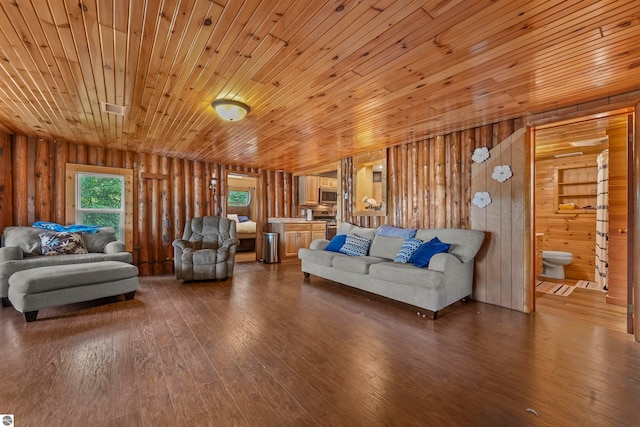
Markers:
(100, 201)
(239, 198)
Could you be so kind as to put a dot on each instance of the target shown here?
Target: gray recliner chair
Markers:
(207, 249)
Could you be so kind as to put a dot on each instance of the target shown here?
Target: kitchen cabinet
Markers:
(326, 182)
(295, 234)
(308, 190)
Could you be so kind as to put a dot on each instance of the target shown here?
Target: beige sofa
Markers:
(21, 250)
(448, 278)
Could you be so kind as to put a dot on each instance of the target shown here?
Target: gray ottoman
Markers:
(37, 288)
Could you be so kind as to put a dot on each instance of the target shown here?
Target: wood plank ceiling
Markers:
(324, 79)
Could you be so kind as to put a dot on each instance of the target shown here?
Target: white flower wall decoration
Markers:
(482, 199)
(501, 173)
(480, 154)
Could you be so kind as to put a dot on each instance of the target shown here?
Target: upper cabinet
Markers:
(326, 182)
(308, 189)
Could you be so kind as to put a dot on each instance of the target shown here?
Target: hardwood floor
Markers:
(268, 349)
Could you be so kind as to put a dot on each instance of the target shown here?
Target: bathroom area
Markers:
(580, 203)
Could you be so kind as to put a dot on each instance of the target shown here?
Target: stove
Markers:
(324, 215)
(330, 218)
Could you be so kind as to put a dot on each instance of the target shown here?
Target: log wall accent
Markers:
(566, 231)
(429, 181)
(166, 192)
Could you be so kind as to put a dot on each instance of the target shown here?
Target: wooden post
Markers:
(440, 182)
(21, 181)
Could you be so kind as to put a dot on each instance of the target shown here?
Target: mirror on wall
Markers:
(370, 182)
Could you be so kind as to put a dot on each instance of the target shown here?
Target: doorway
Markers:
(242, 207)
(581, 216)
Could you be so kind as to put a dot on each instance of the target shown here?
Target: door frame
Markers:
(633, 185)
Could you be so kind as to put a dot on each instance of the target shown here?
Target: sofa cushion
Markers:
(423, 254)
(323, 258)
(358, 265)
(96, 242)
(387, 230)
(60, 243)
(408, 248)
(407, 274)
(385, 246)
(336, 243)
(45, 279)
(7, 268)
(26, 238)
(464, 243)
(355, 245)
(347, 228)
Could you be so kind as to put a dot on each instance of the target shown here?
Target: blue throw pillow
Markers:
(355, 245)
(243, 218)
(387, 230)
(423, 255)
(408, 248)
(336, 243)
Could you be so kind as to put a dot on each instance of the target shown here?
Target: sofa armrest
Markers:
(319, 244)
(443, 262)
(228, 243)
(182, 244)
(11, 253)
(114, 247)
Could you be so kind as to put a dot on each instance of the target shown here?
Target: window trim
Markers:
(240, 190)
(71, 169)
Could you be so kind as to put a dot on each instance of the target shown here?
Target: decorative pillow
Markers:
(387, 230)
(422, 256)
(53, 243)
(243, 218)
(96, 242)
(408, 248)
(233, 217)
(355, 245)
(336, 243)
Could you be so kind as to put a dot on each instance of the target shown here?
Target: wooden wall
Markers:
(567, 231)
(167, 191)
(429, 180)
(502, 265)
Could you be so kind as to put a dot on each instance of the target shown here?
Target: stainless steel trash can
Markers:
(270, 248)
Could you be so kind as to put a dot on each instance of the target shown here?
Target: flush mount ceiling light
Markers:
(590, 142)
(231, 111)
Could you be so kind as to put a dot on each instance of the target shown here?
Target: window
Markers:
(101, 196)
(100, 201)
(239, 198)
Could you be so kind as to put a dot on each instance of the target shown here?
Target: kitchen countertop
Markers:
(294, 220)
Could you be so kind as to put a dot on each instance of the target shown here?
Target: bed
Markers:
(246, 233)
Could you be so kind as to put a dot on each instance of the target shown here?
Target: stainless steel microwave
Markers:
(328, 197)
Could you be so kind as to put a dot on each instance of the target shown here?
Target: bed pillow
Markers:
(408, 248)
(243, 218)
(53, 243)
(423, 254)
(336, 243)
(233, 217)
(355, 245)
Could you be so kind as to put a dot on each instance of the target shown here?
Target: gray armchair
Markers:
(207, 249)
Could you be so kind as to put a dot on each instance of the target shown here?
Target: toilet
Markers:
(553, 263)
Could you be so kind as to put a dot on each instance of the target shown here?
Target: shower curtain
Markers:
(602, 221)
